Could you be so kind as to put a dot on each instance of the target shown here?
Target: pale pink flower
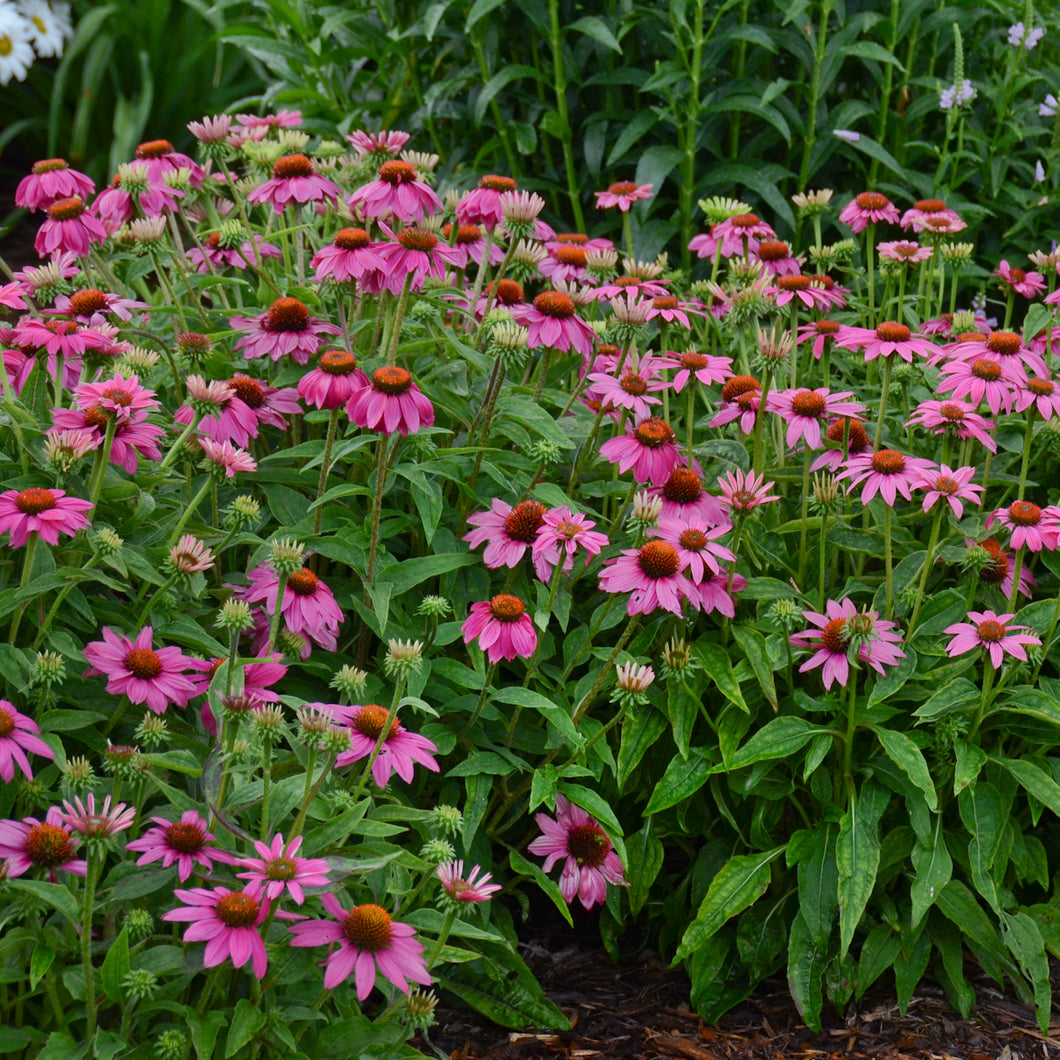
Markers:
(213, 129)
(132, 193)
(991, 632)
(119, 397)
(798, 287)
(399, 752)
(385, 143)
(958, 416)
(133, 668)
(276, 869)
(132, 440)
(740, 235)
(227, 458)
(502, 628)
(697, 545)
(473, 888)
(282, 119)
(160, 158)
(870, 207)
(227, 921)
(561, 534)
(915, 216)
(1024, 282)
(18, 734)
(623, 195)
(295, 182)
(953, 486)
(99, 823)
(904, 251)
(413, 255)
(240, 254)
(47, 513)
(743, 491)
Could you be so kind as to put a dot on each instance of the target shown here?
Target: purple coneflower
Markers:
(502, 628)
(135, 669)
(992, 633)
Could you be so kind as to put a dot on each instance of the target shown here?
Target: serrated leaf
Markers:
(115, 966)
(716, 662)
(683, 777)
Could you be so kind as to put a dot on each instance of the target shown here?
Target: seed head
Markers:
(435, 851)
(645, 514)
(106, 542)
(241, 512)
(77, 774)
(152, 731)
(287, 555)
(139, 983)
(403, 658)
(446, 820)
(123, 760)
(784, 613)
(171, 1045)
(350, 682)
(140, 923)
(234, 616)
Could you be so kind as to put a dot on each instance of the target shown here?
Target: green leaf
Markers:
(479, 10)
(403, 576)
(905, 754)
(520, 865)
(780, 738)
(644, 859)
(1021, 935)
(39, 963)
(499, 81)
(594, 804)
(683, 777)
(556, 714)
(715, 660)
(596, 28)
(529, 414)
(874, 150)
(805, 971)
(204, 1031)
(878, 952)
(53, 894)
(740, 882)
(955, 695)
(115, 966)
(857, 856)
(983, 815)
(754, 648)
(864, 49)
(934, 868)
(1033, 779)
(246, 1021)
(640, 730)
(632, 132)
(543, 786)
(970, 759)
(819, 885)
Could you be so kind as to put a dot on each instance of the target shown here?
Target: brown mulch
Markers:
(639, 1010)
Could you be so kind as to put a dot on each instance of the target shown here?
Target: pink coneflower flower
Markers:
(380, 143)
(885, 339)
(370, 942)
(563, 533)
(684, 498)
(396, 190)
(502, 627)
(284, 329)
(309, 608)
(132, 193)
(870, 207)
(508, 293)
(190, 555)
(276, 869)
(631, 390)
(836, 294)
(552, 321)
(132, 440)
(295, 181)
(633, 287)
(943, 223)
(227, 921)
(741, 396)
(992, 633)
(258, 677)
(135, 669)
(237, 254)
(857, 441)
(741, 235)
(887, 472)
(704, 368)
(743, 491)
(1031, 526)
(187, 843)
(565, 265)
(717, 592)
(108, 820)
(801, 287)
(589, 860)
(469, 243)
(119, 397)
(904, 251)
(959, 416)
(953, 486)
(47, 844)
(18, 734)
(66, 448)
(14, 295)
(473, 888)
(50, 180)
(399, 752)
(1028, 284)
(351, 255)
(696, 544)
(213, 129)
(649, 449)
(803, 411)
(333, 382)
(69, 227)
(841, 629)
(1040, 392)
(247, 404)
(982, 380)
(391, 402)
(91, 306)
(819, 332)
(507, 532)
(922, 209)
(226, 457)
(1001, 567)
(670, 309)
(482, 205)
(623, 195)
(775, 256)
(415, 254)
(652, 575)
(1004, 347)
(160, 158)
(47, 513)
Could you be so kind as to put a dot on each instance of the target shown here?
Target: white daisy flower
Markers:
(16, 52)
(50, 26)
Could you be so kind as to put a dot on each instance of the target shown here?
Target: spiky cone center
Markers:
(654, 433)
(368, 927)
(508, 293)
(496, 183)
(888, 462)
(118, 396)
(984, 369)
(836, 635)
(7, 723)
(947, 485)
(66, 209)
(1023, 513)
(952, 412)
(746, 401)
(857, 436)
(281, 869)
(738, 385)
(154, 149)
(693, 361)
(337, 362)
(872, 200)
(746, 220)
(588, 845)
(351, 239)
(193, 344)
(773, 250)
(1016, 275)
(554, 304)
(186, 837)
(413, 238)
(48, 845)
(572, 237)
(303, 582)
(49, 165)
(990, 632)
(820, 279)
(292, 166)
(683, 486)
(97, 416)
(395, 172)
(622, 187)
(793, 283)
(523, 521)
(507, 608)
(971, 336)
(929, 206)
(34, 501)
(1005, 343)
(1040, 387)
(936, 222)
(248, 390)
(464, 233)
(287, 314)
(693, 540)
(808, 403)
(237, 910)
(570, 255)
(143, 663)
(564, 529)
(627, 281)
(658, 559)
(372, 721)
(892, 331)
(997, 570)
(88, 301)
(391, 379)
(634, 384)
(906, 250)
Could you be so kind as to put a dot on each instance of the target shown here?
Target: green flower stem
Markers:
(848, 736)
(593, 630)
(1028, 431)
(822, 557)
(447, 926)
(888, 558)
(559, 81)
(888, 366)
(311, 794)
(146, 609)
(627, 232)
(929, 559)
(377, 505)
(1016, 571)
(325, 467)
(189, 511)
(989, 673)
(819, 56)
(99, 466)
(63, 593)
(487, 683)
(483, 266)
(870, 262)
(395, 699)
(171, 294)
(756, 462)
(178, 446)
(95, 861)
(542, 374)
(398, 320)
(690, 416)
(277, 610)
(590, 696)
(27, 567)
(804, 529)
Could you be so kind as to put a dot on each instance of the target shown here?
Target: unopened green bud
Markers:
(286, 555)
(234, 616)
(437, 851)
(446, 820)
